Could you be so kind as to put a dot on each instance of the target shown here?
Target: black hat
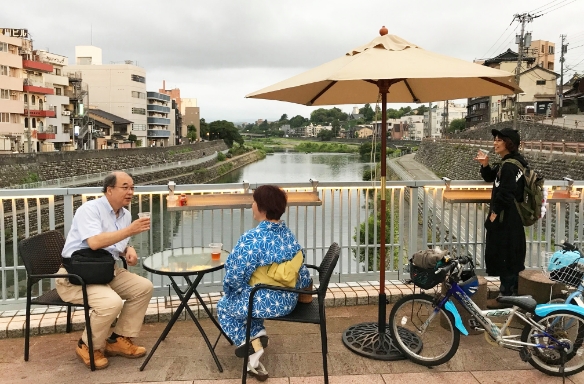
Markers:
(508, 132)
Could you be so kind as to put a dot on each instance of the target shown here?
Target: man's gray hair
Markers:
(109, 181)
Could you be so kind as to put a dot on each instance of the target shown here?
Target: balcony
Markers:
(45, 135)
(37, 66)
(157, 108)
(158, 96)
(158, 121)
(39, 112)
(29, 88)
(158, 133)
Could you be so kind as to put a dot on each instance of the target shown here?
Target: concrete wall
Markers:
(21, 168)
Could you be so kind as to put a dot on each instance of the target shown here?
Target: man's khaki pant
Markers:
(107, 302)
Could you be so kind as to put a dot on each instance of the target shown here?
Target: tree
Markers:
(204, 129)
(226, 130)
(284, 118)
(192, 132)
(367, 112)
(297, 121)
(325, 135)
(336, 127)
(421, 109)
(132, 137)
(457, 125)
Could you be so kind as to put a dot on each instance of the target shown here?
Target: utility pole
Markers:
(562, 59)
(445, 119)
(28, 132)
(521, 40)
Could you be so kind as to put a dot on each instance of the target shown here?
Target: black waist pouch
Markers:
(94, 267)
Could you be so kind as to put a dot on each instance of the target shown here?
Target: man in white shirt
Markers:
(105, 223)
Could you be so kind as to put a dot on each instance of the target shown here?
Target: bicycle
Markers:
(427, 328)
(566, 266)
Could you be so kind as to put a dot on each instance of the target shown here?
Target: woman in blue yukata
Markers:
(268, 253)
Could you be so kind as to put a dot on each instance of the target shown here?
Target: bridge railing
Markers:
(419, 215)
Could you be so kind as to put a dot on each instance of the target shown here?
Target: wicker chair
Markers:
(313, 313)
(41, 255)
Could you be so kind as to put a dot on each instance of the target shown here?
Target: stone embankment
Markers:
(25, 168)
(455, 160)
(196, 174)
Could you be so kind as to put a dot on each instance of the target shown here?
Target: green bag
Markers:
(533, 198)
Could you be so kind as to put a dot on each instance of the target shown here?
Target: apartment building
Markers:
(175, 110)
(11, 97)
(190, 116)
(58, 129)
(119, 89)
(437, 119)
(543, 52)
(161, 131)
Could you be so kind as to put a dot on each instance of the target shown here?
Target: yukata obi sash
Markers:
(279, 274)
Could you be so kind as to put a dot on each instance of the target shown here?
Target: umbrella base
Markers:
(364, 339)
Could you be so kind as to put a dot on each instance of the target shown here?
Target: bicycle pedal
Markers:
(524, 354)
(475, 325)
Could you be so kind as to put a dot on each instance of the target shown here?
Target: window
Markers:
(14, 95)
(138, 78)
(14, 118)
(58, 91)
(138, 111)
(4, 94)
(3, 70)
(551, 50)
(540, 82)
(58, 71)
(3, 47)
(483, 106)
(138, 95)
(138, 127)
(4, 117)
(33, 98)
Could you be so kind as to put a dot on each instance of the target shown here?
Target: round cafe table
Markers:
(188, 263)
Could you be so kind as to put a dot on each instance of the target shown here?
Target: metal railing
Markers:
(348, 215)
(575, 148)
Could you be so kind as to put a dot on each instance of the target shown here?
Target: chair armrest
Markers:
(275, 288)
(312, 266)
(54, 276)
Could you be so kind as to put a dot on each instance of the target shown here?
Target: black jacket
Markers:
(505, 238)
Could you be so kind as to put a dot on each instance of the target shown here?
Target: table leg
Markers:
(212, 318)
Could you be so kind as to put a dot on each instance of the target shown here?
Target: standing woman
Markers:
(505, 240)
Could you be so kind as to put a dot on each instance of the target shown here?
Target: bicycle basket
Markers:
(425, 278)
(565, 267)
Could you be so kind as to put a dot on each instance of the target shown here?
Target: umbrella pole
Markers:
(372, 339)
(383, 89)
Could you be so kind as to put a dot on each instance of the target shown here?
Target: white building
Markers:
(161, 132)
(119, 89)
(11, 96)
(435, 119)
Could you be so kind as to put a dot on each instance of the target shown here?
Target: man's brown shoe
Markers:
(123, 346)
(83, 354)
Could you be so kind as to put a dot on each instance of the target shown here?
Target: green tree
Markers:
(226, 130)
(336, 127)
(204, 129)
(325, 135)
(457, 125)
(421, 109)
(132, 138)
(298, 121)
(367, 112)
(284, 118)
(191, 132)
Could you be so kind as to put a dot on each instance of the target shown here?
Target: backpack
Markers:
(533, 194)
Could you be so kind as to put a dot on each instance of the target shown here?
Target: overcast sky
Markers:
(220, 50)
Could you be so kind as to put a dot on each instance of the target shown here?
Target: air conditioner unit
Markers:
(13, 93)
(66, 113)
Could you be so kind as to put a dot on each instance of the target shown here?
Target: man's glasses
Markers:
(125, 187)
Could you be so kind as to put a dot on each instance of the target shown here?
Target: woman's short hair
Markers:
(271, 200)
(509, 145)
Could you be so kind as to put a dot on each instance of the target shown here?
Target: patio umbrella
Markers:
(401, 72)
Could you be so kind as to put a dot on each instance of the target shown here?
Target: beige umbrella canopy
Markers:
(401, 72)
(416, 76)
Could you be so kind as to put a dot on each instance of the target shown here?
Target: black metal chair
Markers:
(313, 313)
(41, 255)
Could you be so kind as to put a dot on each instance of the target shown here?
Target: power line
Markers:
(505, 41)
(554, 9)
(546, 6)
(489, 50)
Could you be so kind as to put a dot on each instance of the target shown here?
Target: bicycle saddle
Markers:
(526, 302)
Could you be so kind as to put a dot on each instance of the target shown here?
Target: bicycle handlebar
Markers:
(453, 263)
(567, 246)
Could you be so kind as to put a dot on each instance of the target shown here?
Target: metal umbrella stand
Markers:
(412, 74)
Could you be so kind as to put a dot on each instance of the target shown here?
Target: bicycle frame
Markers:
(496, 333)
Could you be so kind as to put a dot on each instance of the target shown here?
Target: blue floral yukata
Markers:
(266, 244)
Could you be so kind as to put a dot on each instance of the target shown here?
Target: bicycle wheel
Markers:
(432, 327)
(565, 326)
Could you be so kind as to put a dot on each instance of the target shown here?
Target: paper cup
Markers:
(143, 214)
